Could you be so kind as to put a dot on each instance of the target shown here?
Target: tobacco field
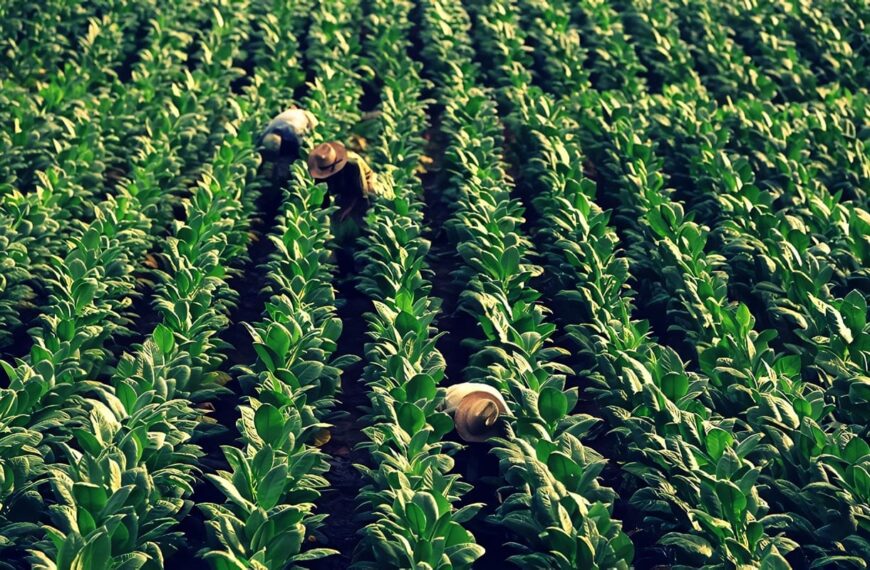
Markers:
(646, 222)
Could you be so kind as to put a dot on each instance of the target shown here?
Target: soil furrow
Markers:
(339, 531)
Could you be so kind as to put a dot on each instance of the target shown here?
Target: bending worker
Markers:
(477, 411)
(281, 141)
(351, 183)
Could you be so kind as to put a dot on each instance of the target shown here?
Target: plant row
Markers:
(54, 391)
(554, 507)
(276, 475)
(640, 172)
(411, 500)
(169, 106)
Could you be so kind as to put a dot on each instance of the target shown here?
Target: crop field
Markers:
(644, 222)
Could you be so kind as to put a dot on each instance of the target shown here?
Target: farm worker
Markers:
(477, 410)
(282, 139)
(350, 182)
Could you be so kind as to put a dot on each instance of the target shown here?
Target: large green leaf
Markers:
(552, 404)
(269, 423)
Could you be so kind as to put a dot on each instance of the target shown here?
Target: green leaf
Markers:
(267, 356)
(442, 424)
(86, 521)
(269, 423)
(127, 395)
(91, 238)
(510, 261)
(83, 294)
(717, 441)
(271, 488)
(860, 479)
(744, 318)
(563, 467)
(789, 366)
(657, 222)
(428, 505)
(96, 553)
(220, 560)
(421, 386)
(229, 490)
(406, 322)
(90, 496)
(455, 535)
(308, 373)
(464, 555)
(164, 339)
(854, 311)
(561, 541)
(466, 513)
(838, 325)
(675, 386)
(405, 300)
(733, 500)
(856, 450)
(278, 339)
(623, 548)
(754, 532)
(314, 554)
(552, 404)
(411, 418)
(332, 329)
(87, 441)
(263, 461)
(131, 561)
(775, 561)
(689, 543)
(416, 519)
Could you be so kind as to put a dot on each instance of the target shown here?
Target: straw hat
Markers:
(327, 159)
(476, 416)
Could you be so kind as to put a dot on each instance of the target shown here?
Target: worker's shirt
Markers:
(291, 125)
(361, 174)
(353, 187)
(299, 121)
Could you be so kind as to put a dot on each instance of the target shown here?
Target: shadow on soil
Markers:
(249, 284)
(339, 500)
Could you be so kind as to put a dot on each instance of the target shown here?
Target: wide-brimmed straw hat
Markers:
(327, 159)
(476, 416)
